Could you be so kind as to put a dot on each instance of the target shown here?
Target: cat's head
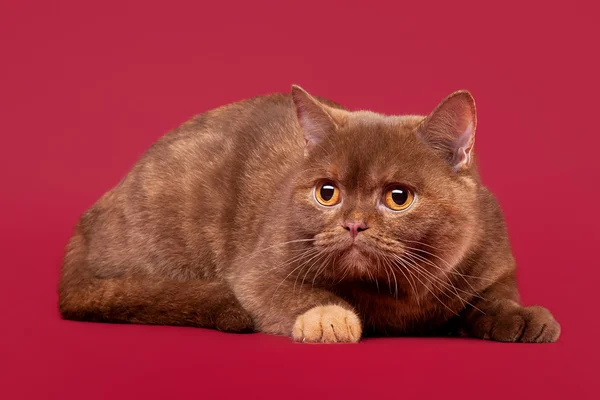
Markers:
(377, 192)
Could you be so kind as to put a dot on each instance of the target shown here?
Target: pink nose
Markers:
(355, 227)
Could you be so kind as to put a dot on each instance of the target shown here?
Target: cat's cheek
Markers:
(305, 215)
(312, 218)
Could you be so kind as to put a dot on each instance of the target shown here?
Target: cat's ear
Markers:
(450, 129)
(316, 122)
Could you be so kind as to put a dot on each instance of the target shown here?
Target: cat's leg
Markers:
(142, 300)
(500, 317)
(145, 299)
(298, 310)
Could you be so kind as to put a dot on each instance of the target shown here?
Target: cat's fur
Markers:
(217, 226)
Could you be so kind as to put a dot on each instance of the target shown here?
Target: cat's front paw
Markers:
(532, 324)
(327, 324)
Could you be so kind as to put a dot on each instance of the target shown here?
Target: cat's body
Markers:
(220, 225)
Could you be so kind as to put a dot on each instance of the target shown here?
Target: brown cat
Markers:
(293, 216)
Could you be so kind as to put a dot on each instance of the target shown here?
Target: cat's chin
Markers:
(357, 259)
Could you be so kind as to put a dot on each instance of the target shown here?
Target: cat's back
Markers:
(218, 145)
(267, 122)
(249, 136)
(232, 151)
(182, 199)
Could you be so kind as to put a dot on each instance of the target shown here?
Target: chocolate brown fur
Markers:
(216, 226)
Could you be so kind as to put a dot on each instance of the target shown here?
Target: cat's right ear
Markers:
(314, 119)
(450, 129)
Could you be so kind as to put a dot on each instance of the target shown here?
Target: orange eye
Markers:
(327, 194)
(398, 197)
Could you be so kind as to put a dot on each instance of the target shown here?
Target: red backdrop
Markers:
(87, 86)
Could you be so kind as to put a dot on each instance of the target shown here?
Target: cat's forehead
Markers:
(372, 148)
(379, 136)
(371, 120)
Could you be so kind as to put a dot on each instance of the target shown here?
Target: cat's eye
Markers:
(327, 193)
(398, 197)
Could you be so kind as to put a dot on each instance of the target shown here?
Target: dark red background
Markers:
(85, 88)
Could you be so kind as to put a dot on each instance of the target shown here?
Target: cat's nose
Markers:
(354, 227)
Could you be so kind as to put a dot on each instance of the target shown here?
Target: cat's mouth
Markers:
(355, 250)
(357, 254)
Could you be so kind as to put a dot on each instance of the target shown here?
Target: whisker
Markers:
(395, 280)
(423, 244)
(409, 280)
(313, 259)
(445, 272)
(302, 264)
(417, 258)
(377, 280)
(371, 278)
(435, 279)
(388, 276)
(255, 253)
(430, 291)
(294, 258)
(346, 272)
(324, 265)
(451, 268)
(441, 285)
(282, 281)
(315, 263)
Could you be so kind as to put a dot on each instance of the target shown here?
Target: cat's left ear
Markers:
(450, 129)
(316, 122)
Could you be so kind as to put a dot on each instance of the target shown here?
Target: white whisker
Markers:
(430, 291)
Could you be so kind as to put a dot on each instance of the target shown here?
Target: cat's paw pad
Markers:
(532, 324)
(327, 324)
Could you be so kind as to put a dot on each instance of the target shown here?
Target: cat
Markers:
(291, 215)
